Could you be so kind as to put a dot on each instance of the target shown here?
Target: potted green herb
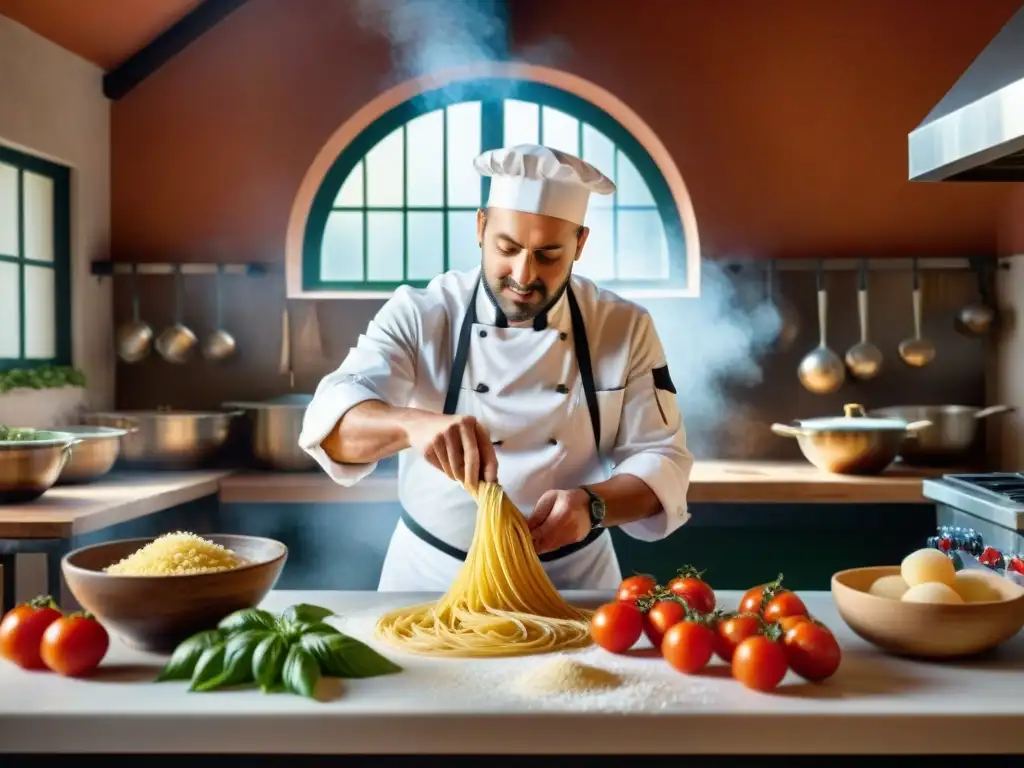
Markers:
(42, 396)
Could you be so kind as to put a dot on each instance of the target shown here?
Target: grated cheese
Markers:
(565, 675)
(176, 554)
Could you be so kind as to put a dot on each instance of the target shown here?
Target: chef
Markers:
(517, 371)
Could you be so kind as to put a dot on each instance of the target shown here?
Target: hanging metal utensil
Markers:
(176, 344)
(134, 338)
(285, 365)
(863, 359)
(917, 352)
(821, 371)
(220, 344)
(977, 318)
(789, 322)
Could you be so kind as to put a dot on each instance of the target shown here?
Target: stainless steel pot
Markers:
(852, 444)
(168, 439)
(273, 432)
(31, 462)
(94, 454)
(952, 436)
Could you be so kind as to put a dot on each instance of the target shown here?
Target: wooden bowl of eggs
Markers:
(924, 607)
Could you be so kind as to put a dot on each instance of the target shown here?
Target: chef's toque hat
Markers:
(536, 179)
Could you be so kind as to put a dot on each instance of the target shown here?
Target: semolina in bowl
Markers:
(155, 592)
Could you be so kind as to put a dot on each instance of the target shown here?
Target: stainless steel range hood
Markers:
(976, 133)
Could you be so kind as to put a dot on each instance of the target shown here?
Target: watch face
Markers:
(597, 510)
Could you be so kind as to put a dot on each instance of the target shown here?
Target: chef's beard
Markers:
(522, 311)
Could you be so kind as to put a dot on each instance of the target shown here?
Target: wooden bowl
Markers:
(923, 629)
(155, 613)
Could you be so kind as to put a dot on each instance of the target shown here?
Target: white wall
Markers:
(52, 105)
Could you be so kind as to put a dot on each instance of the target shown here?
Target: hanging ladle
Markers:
(135, 337)
(821, 371)
(863, 359)
(917, 352)
(789, 324)
(220, 344)
(978, 317)
(175, 345)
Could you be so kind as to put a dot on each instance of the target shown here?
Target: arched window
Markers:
(398, 205)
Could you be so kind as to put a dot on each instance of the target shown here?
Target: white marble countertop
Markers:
(875, 704)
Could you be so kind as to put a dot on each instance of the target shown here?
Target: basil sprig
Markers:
(290, 652)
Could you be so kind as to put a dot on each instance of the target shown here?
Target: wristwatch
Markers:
(597, 508)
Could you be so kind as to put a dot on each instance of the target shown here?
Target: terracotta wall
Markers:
(788, 120)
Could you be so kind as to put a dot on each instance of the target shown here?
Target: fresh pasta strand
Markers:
(502, 602)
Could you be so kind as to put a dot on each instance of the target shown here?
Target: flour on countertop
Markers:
(644, 684)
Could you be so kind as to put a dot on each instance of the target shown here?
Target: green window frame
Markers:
(29, 167)
(492, 94)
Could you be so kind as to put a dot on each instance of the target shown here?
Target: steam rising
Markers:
(714, 343)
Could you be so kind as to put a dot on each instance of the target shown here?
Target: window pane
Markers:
(385, 234)
(522, 123)
(38, 217)
(351, 193)
(8, 211)
(341, 257)
(463, 147)
(561, 131)
(40, 322)
(426, 245)
(384, 172)
(598, 260)
(426, 160)
(463, 250)
(10, 311)
(642, 252)
(599, 151)
(632, 187)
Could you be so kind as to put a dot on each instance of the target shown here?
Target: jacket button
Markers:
(562, 389)
(552, 441)
(481, 388)
(497, 442)
(483, 334)
(563, 335)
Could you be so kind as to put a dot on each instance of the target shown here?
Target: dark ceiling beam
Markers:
(166, 46)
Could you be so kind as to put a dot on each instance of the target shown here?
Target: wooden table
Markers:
(48, 524)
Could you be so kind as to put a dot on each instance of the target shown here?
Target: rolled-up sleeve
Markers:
(382, 366)
(651, 441)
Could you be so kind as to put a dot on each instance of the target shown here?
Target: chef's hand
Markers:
(560, 518)
(458, 445)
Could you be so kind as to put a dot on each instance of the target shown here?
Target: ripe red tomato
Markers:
(784, 604)
(21, 631)
(688, 646)
(696, 592)
(751, 600)
(759, 663)
(788, 622)
(616, 626)
(663, 615)
(635, 587)
(74, 645)
(812, 651)
(732, 631)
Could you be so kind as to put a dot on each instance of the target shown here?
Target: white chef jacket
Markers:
(524, 386)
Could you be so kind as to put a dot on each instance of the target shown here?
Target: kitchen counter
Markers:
(741, 482)
(66, 511)
(875, 704)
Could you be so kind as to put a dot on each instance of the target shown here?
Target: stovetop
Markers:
(994, 496)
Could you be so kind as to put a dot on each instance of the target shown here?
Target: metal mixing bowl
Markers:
(272, 432)
(853, 444)
(31, 463)
(94, 454)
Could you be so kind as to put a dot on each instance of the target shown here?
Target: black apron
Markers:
(582, 349)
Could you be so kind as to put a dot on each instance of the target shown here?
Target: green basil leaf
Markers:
(339, 655)
(301, 673)
(237, 665)
(183, 661)
(247, 618)
(209, 666)
(268, 661)
(297, 629)
(305, 613)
